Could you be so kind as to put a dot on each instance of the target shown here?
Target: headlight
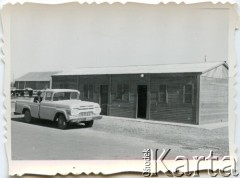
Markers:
(75, 111)
(97, 109)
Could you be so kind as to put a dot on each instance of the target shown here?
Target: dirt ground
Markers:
(125, 136)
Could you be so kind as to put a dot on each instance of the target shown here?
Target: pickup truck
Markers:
(61, 105)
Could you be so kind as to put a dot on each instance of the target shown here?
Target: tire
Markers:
(89, 124)
(27, 116)
(62, 124)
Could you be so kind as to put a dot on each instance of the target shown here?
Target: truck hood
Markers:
(76, 104)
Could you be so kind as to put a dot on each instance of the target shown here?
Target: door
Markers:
(142, 101)
(47, 107)
(104, 99)
(35, 109)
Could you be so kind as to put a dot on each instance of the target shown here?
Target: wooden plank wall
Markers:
(213, 100)
(31, 85)
(118, 108)
(66, 82)
(126, 108)
(36, 85)
(77, 82)
(174, 110)
(42, 85)
(20, 85)
(96, 81)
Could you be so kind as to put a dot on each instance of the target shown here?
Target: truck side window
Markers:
(48, 96)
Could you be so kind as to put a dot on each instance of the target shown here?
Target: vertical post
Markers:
(183, 94)
(136, 98)
(109, 95)
(198, 83)
(18, 86)
(77, 82)
(149, 97)
(50, 83)
(24, 85)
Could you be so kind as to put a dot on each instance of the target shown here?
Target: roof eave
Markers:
(223, 63)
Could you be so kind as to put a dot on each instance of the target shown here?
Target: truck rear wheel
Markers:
(89, 123)
(62, 124)
(27, 116)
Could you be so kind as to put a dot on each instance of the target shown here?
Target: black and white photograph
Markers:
(110, 81)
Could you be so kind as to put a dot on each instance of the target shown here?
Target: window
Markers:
(65, 96)
(122, 92)
(154, 96)
(74, 96)
(88, 91)
(48, 96)
(163, 94)
(188, 93)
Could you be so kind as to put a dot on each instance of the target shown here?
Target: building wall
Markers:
(214, 96)
(78, 82)
(36, 85)
(20, 85)
(175, 110)
(209, 102)
(126, 108)
(66, 82)
(96, 82)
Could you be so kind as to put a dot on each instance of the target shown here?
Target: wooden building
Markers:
(187, 93)
(34, 80)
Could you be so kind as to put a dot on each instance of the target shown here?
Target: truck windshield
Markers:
(65, 96)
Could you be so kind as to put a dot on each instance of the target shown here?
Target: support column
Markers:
(197, 101)
(50, 83)
(77, 77)
(109, 95)
(149, 96)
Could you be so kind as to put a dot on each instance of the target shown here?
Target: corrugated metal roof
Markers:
(163, 68)
(36, 76)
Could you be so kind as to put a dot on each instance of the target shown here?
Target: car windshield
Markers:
(65, 96)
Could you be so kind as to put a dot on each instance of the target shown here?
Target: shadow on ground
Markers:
(47, 123)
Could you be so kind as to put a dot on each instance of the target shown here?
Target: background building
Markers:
(188, 93)
(34, 80)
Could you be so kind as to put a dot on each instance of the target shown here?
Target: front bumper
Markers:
(77, 119)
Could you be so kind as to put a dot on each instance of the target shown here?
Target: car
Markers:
(61, 105)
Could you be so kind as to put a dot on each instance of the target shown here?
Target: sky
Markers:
(65, 37)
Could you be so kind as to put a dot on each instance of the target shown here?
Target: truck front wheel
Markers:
(62, 124)
(27, 116)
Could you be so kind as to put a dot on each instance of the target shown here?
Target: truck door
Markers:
(34, 109)
(47, 108)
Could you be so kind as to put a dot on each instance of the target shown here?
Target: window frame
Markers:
(123, 92)
(48, 97)
(192, 94)
(89, 95)
(166, 94)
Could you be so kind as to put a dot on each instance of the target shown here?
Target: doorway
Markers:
(142, 101)
(104, 99)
